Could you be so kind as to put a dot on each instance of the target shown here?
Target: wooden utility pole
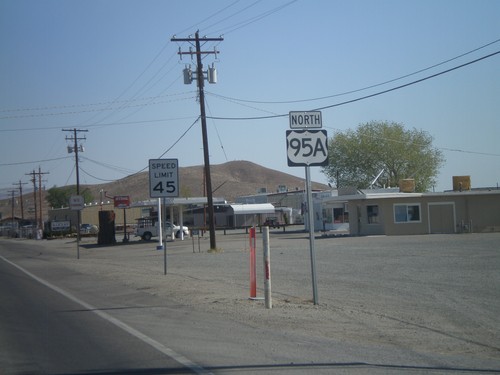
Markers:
(38, 214)
(33, 180)
(40, 195)
(12, 202)
(206, 156)
(75, 149)
(20, 184)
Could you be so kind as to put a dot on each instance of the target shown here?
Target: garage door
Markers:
(442, 218)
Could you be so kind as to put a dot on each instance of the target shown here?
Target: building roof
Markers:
(250, 209)
(178, 201)
(377, 194)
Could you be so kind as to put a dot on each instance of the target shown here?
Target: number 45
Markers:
(169, 187)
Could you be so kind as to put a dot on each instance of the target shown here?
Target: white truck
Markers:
(147, 227)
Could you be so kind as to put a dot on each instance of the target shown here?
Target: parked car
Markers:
(272, 222)
(88, 229)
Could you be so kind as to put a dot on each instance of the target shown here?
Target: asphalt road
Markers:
(421, 304)
(46, 332)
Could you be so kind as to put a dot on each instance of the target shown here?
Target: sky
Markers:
(110, 69)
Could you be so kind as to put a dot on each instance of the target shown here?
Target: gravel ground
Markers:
(434, 294)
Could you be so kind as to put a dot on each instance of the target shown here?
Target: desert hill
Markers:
(229, 180)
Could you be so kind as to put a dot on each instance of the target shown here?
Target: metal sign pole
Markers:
(78, 220)
(310, 213)
(160, 227)
(165, 244)
(308, 148)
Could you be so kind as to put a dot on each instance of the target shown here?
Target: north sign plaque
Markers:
(305, 120)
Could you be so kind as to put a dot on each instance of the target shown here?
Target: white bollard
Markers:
(267, 268)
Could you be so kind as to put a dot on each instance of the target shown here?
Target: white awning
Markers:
(250, 209)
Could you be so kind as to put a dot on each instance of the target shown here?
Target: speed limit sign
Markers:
(163, 178)
(307, 148)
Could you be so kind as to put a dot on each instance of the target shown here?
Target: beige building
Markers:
(395, 213)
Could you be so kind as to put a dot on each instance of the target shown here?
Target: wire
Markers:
(234, 14)
(101, 125)
(182, 136)
(109, 166)
(207, 18)
(217, 131)
(357, 90)
(411, 83)
(236, 102)
(97, 178)
(405, 142)
(142, 105)
(367, 96)
(134, 81)
(33, 162)
(254, 19)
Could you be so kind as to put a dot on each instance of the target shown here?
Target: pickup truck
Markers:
(148, 227)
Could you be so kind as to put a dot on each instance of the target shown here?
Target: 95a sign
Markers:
(307, 148)
(163, 178)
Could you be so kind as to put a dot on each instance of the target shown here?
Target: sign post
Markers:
(308, 148)
(76, 203)
(123, 201)
(163, 183)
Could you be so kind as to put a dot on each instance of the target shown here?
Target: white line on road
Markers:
(141, 336)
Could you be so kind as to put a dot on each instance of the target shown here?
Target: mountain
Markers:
(229, 181)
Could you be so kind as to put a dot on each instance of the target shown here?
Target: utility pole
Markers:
(20, 184)
(76, 149)
(40, 194)
(38, 214)
(212, 78)
(12, 208)
(33, 180)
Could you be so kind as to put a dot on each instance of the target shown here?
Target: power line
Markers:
(97, 178)
(101, 125)
(207, 18)
(31, 162)
(439, 148)
(252, 20)
(356, 90)
(411, 83)
(124, 106)
(178, 139)
(109, 166)
(233, 14)
(217, 132)
(366, 96)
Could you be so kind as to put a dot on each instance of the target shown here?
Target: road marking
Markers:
(141, 336)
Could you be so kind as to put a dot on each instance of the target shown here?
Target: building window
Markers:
(327, 215)
(340, 216)
(407, 213)
(372, 213)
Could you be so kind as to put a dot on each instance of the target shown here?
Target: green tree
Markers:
(59, 196)
(356, 157)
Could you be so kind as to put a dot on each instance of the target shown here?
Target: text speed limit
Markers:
(307, 148)
(163, 178)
